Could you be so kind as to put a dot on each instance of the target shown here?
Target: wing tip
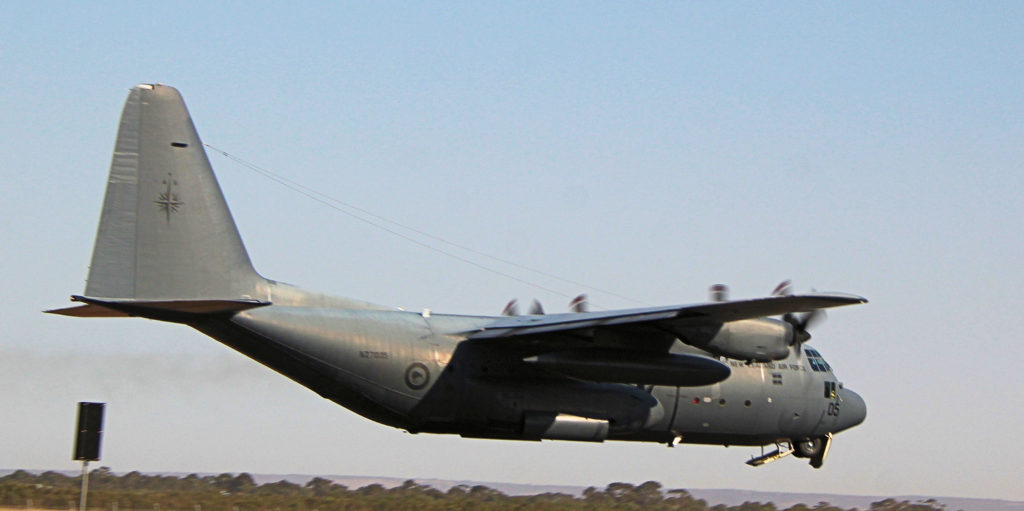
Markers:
(848, 298)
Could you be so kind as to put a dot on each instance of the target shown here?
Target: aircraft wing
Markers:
(670, 318)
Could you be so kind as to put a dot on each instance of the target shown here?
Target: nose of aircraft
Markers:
(853, 409)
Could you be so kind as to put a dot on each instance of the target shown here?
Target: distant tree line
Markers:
(228, 492)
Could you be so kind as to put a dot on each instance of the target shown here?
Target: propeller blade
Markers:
(511, 308)
(536, 308)
(785, 288)
(800, 336)
(790, 318)
(578, 304)
(718, 293)
(815, 317)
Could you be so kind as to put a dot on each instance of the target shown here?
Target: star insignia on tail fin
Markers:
(168, 200)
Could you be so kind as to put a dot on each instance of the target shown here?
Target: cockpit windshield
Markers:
(818, 363)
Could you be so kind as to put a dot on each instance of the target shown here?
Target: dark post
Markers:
(90, 428)
(87, 441)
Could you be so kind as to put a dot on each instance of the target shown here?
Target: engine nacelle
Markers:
(762, 340)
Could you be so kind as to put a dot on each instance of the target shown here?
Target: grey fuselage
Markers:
(417, 371)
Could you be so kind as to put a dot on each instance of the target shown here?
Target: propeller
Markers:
(801, 323)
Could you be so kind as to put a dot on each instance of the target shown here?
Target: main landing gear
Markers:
(814, 448)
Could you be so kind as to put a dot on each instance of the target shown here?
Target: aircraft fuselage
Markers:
(417, 371)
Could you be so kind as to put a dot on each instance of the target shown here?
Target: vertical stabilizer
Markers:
(165, 232)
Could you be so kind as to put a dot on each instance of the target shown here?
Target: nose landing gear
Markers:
(814, 448)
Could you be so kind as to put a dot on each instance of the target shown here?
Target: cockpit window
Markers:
(818, 363)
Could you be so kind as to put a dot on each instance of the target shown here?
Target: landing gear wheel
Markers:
(808, 447)
(819, 459)
(814, 448)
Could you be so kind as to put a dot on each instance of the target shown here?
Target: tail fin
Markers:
(165, 232)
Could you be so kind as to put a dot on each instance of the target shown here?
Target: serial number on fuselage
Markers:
(379, 355)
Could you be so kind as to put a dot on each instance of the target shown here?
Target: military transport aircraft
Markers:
(722, 372)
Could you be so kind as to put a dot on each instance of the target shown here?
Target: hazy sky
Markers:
(649, 149)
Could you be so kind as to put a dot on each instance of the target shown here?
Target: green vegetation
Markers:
(227, 492)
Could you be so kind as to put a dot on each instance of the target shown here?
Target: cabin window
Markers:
(830, 390)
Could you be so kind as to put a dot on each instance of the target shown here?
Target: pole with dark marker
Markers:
(87, 441)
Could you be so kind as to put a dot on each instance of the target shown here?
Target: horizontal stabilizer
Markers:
(97, 308)
(88, 311)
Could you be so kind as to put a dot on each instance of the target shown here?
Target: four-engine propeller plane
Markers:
(722, 372)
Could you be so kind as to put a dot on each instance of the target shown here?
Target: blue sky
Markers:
(651, 150)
